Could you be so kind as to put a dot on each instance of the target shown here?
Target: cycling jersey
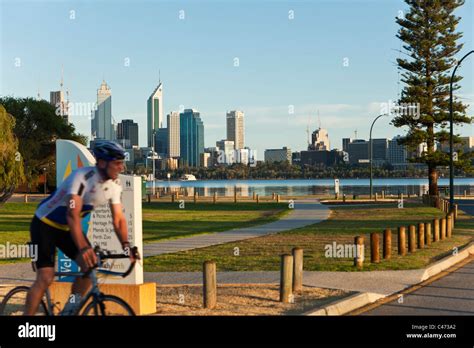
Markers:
(85, 182)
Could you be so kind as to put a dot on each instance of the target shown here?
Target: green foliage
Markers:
(37, 127)
(11, 168)
(430, 40)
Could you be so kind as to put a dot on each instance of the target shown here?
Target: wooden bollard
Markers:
(449, 226)
(443, 229)
(455, 212)
(148, 197)
(465, 193)
(25, 199)
(402, 240)
(278, 198)
(421, 235)
(214, 198)
(412, 238)
(173, 197)
(452, 219)
(428, 234)
(383, 194)
(376, 196)
(344, 198)
(195, 197)
(297, 269)
(387, 244)
(258, 200)
(235, 195)
(254, 197)
(209, 284)
(286, 278)
(435, 230)
(273, 196)
(374, 248)
(359, 259)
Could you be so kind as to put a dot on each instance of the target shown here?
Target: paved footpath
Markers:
(305, 212)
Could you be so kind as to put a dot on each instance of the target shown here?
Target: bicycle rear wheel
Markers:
(108, 305)
(14, 303)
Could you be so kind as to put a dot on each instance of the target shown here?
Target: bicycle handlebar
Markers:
(103, 254)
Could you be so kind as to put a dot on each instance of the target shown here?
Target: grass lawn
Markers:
(263, 253)
(160, 220)
(168, 221)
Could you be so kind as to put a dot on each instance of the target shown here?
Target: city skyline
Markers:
(279, 91)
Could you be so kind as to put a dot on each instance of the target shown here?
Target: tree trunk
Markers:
(433, 180)
(6, 194)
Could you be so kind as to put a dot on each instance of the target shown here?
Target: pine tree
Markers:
(428, 33)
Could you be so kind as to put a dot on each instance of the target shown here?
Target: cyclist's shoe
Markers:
(72, 305)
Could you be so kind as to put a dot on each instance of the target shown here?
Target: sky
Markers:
(281, 62)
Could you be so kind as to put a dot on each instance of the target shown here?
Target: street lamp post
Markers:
(370, 153)
(451, 160)
(44, 172)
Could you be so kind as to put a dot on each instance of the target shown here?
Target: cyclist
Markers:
(57, 221)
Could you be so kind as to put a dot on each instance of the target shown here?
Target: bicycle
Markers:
(99, 304)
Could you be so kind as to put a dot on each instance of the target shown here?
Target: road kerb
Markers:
(362, 299)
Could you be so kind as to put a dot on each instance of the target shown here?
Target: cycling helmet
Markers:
(109, 151)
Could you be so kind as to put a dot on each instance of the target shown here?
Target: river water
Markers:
(300, 187)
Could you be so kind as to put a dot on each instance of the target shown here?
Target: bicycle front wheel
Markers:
(108, 305)
(14, 302)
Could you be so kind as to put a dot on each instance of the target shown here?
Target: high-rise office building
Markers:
(154, 113)
(61, 104)
(319, 140)
(56, 99)
(173, 134)
(235, 128)
(278, 155)
(101, 123)
(191, 137)
(162, 142)
(127, 133)
(397, 153)
(226, 151)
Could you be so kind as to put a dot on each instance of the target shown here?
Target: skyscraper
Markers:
(235, 128)
(101, 123)
(154, 113)
(173, 134)
(191, 137)
(127, 133)
(56, 99)
(162, 142)
(319, 140)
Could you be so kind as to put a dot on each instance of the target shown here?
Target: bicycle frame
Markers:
(94, 292)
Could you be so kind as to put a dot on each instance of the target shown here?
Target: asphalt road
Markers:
(452, 294)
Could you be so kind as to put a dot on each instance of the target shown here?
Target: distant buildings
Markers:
(127, 133)
(56, 99)
(161, 142)
(226, 151)
(154, 113)
(319, 140)
(101, 123)
(191, 137)
(397, 153)
(278, 155)
(235, 128)
(173, 134)
(466, 145)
